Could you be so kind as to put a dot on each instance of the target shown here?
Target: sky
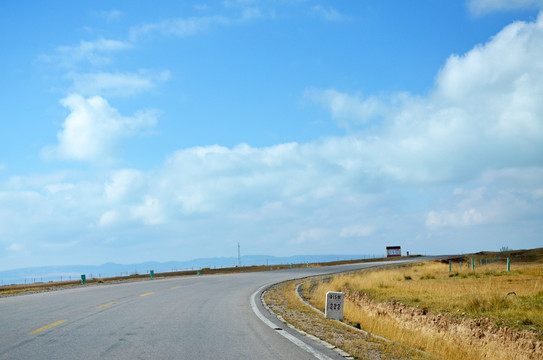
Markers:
(140, 131)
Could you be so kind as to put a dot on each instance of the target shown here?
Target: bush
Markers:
(427, 277)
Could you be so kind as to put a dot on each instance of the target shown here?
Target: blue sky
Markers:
(132, 131)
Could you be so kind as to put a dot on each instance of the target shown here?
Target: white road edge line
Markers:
(285, 334)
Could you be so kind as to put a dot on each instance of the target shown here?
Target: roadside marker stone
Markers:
(334, 305)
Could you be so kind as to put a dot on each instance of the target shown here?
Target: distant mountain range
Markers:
(74, 272)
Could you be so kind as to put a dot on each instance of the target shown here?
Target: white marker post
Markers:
(334, 305)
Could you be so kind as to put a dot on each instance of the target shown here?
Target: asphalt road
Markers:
(204, 317)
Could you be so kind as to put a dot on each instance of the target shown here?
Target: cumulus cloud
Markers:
(482, 206)
(479, 7)
(466, 156)
(212, 178)
(123, 185)
(93, 129)
(484, 112)
(150, 211)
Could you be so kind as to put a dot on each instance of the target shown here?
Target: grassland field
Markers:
(447, 309)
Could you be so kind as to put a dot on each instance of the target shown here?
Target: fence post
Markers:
(460, 265)
(508, 265)
(449, 265)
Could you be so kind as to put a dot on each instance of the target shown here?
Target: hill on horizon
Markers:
(72, 272)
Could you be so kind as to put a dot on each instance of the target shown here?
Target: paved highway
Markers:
(204, 317)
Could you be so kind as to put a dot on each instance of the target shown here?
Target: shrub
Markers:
(427, 277)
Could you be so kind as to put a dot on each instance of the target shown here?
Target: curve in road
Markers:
(205, 317)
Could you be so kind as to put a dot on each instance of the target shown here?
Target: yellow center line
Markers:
(175, 287)
(149, 293)
(108, 304)
(46, 327)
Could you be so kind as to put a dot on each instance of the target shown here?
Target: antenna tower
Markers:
(239, 256)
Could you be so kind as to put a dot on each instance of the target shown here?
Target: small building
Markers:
(394, 251)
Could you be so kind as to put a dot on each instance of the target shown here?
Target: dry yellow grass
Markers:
(483, 292)
(462, 293)
(283, 301)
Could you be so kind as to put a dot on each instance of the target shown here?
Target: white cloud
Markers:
(185, 27)
(465, 218)
(108, 218)
(116, 84)
(212, 178)
(349, 109)
(522, 177)
(466, 159)
(110, 15)
(15, 247)
(201, 7)
(123, 185)
(479, 7)
(466, 207)
(96, 52)
(311, 235)
(251, 13)
(328, 14)
(149, 211)
(179, 27)
(59, 187)
(485, 107)
(355, 231)
(93, 129)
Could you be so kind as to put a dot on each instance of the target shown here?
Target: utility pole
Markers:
(239, 256)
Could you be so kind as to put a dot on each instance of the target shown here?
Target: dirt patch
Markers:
(474, 332)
